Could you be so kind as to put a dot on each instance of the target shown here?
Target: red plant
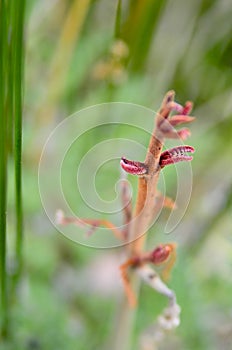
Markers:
(148, 201)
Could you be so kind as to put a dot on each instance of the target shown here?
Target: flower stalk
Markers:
(137, 267)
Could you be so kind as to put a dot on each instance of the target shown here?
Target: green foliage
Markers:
(11, 76)
(3, 171)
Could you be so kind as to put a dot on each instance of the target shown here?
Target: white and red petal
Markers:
(175, 155)
(133, 167)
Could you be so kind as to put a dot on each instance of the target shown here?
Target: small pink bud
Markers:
(160, 254)
(180, 119)
(184, 133)
(169, 132)
(187, 108)
(174, 106)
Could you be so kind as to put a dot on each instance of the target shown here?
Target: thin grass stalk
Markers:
(18, 57)
(117, 26)
(10, 82)
(139, 29)
(3, 171)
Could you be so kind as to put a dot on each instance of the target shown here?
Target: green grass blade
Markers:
(138, 31)
(117, 26)
(18, 56)
(9, 82)
(3, 170)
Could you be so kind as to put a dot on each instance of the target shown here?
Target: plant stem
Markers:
(147, 186)
(122, 335)
(117, 26)
(3, 170)
(10, 80)
(144, 212)
(18, 56)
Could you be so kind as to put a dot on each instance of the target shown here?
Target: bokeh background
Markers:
(80, 53)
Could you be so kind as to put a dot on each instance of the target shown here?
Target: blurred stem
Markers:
(18, 56)
(117, 27)
(10, 100)
(71, 29)
(3, 169)
(122, 336)
(142, 20)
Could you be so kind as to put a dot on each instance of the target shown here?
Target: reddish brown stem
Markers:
(145, 203)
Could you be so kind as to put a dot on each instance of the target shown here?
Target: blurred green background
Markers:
(67, 298)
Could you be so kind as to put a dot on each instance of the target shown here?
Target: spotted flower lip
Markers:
(132, 167)
(175, 155)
